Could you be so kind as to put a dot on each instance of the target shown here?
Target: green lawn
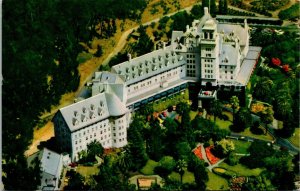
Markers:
(148, 169)
(242, 170)
(163, 104)
(241, 146)
(87, 170)
(296, 138)
(247, 132)
(188, 177)
(221, 123)
(216, 182)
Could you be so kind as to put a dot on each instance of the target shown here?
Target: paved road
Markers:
(122, 42)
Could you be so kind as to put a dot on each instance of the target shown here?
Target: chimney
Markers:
(164, 45)
(206, 11)
(129, 56)
(187, 27)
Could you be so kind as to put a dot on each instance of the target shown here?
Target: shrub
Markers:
(165, 166)
(232, 159)
(290, 13)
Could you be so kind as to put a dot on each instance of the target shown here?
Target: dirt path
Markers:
(275, 13)
(39, 135)
(46, 132)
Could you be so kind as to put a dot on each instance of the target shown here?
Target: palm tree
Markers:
(235, 104)
(215, 109)
(124, 162)
(181, 165)
(263, 89)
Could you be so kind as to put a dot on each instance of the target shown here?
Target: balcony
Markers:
(207, 94)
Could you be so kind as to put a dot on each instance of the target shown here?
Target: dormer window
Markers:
(92, 115)
(141, 73)
(100, 112)
(154, 68)
(75, 113)
(159, 58)
(83, 118)
(101, 104)
(75, 121)
(181, 58)
(83, 109)
(92, 107)
(127, 70)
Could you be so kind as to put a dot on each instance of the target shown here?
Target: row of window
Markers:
(190, 55)
(191, 61)
(191, 73)
(209, 71)
(169, 74)
(191, 66)
(208, 60)
(225, 77)
(208, 76)
(226, 72)
(208, 49)
(231, 67)
(208, 65)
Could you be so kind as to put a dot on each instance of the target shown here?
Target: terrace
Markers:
(207, 94)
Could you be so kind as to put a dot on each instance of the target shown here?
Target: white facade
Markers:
(51, 166)
(103, 118)
(207, 52)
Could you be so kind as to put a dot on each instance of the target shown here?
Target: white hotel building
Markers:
(210, 53)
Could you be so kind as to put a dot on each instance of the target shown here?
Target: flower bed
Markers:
(198, 153)
(211, 158)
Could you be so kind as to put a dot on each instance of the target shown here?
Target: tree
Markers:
(223, 7)
(258, 151)
(215, 109)
(94, 149)
(136, 144)
(124, 163)
(201, 176)
(235, 104)
(182, 108)
(146, 110)
(76, 182)
(180, 166)
(226, 146)
(154, 141)
(165, 166)
(183, 149)
(263, 89)
(18, 168)
(242, 121)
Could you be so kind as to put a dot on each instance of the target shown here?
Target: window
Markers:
(115, 141)
(114, 134)
(75, 142)
(94, 134)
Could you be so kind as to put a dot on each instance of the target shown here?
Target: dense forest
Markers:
(40, 46)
